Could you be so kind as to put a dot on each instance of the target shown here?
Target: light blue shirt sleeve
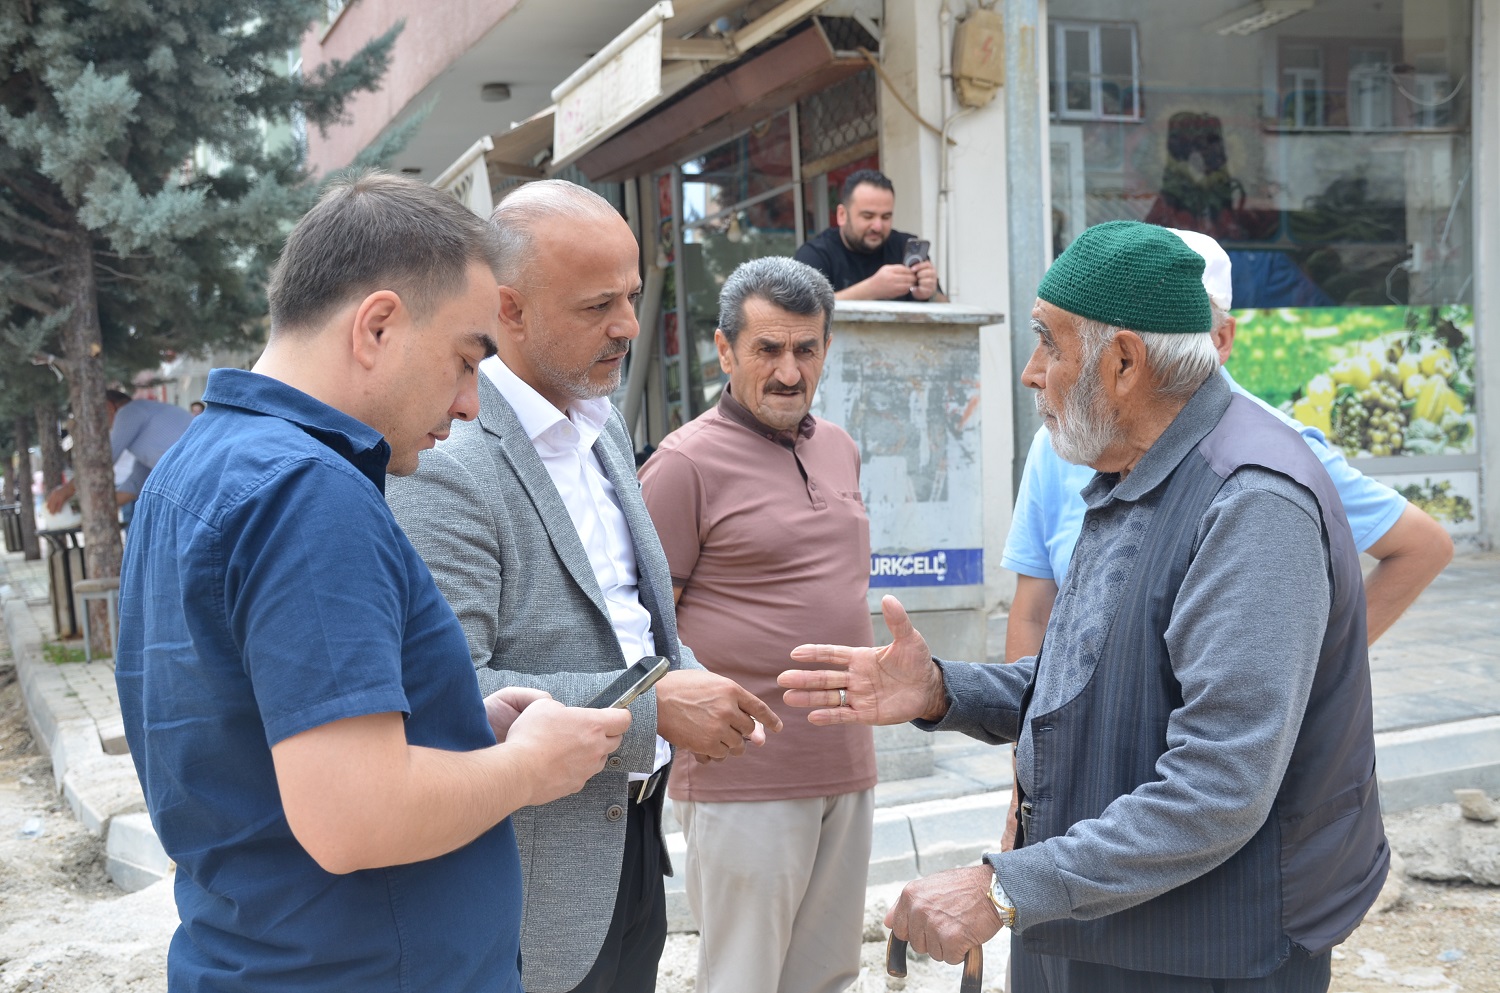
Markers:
(1048, 515)
(1371, 507)
(1049, 511)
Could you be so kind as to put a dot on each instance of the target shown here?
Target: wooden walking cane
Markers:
(969, 982)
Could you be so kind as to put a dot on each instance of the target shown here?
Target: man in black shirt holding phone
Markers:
(863, 256)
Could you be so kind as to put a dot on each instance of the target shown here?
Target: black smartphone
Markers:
(632, 683)
(916, 251)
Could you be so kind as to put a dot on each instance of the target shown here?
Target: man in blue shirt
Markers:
(144, 429)
(1410, 547)
(297, 695)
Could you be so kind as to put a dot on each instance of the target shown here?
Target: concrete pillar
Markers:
(911, 56)
(1486, 159)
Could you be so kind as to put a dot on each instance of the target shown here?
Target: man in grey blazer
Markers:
(531, 521)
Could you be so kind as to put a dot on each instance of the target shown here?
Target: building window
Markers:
(1302, 96)
(1095, 71)
(332, 10)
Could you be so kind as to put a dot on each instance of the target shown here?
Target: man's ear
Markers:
(841, 215)
(512, 311)
(1125, 368)
(726, 352)
(1224, 339)
(376, 317)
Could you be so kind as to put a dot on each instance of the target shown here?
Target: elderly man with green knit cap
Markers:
(1195, 753)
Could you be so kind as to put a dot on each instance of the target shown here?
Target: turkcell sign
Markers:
(936, 567)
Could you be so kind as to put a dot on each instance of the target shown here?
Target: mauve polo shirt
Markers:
(267, 590)
(767, 533)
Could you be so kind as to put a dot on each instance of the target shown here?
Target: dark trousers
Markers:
(638, 930)
(1032, 973)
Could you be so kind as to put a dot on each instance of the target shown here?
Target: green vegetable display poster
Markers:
(1377, 381)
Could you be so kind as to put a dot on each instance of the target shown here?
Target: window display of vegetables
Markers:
(1439, 500)
(1377, 381)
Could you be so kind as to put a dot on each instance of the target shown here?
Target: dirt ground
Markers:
(64, 928)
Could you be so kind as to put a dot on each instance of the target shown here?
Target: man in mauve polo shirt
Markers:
(758, 506)
(297, 695)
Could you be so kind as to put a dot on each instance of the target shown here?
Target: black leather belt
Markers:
(642, 790)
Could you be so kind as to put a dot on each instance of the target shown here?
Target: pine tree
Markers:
(114, 248)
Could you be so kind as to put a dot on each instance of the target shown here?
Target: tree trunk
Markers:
(50, 444)
(29, 544)
(93, 468)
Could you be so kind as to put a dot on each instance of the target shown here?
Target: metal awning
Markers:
(517, 151)
(610, 115)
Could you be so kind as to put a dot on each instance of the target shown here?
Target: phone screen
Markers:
(632, 683)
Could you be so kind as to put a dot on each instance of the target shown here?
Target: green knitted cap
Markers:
(1131, 275)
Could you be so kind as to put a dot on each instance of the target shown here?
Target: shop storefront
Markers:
(762, 192)
(1329, 147)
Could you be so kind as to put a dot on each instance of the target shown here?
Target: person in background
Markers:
(144, 428)
(863, 256)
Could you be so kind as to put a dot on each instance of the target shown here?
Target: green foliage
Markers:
(105, 106)
(59, 654)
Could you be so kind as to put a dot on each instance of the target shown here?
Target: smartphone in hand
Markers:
(632, 683)
(916, 251)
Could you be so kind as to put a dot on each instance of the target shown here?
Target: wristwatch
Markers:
(1003, 905)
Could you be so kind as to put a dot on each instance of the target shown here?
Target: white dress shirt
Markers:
(565, 444)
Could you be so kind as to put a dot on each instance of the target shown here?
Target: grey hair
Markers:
(786, 283)
(516, 218)
(1220, 316)
(1180, 362)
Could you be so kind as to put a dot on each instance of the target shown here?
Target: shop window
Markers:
(1331, 154)
(1095, 71)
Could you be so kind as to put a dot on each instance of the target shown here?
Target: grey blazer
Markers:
(487, 519)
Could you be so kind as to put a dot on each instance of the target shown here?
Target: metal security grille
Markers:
(835, 121)
(846, 34)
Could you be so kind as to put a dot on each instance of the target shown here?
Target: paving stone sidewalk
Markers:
(1436, 687)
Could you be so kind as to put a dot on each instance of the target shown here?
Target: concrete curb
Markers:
(909, 841)
(100, 786)
(1421, 766)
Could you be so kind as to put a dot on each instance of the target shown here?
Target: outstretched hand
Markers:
(889, 685)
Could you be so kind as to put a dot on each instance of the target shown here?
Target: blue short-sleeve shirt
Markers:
(267, 590)
(1049, 510)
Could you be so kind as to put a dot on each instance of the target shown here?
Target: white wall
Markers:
(972, 253)
(1487, 259)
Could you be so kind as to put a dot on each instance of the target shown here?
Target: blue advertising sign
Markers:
(936, 567)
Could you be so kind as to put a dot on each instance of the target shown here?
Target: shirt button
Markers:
(614, 813)
(614, 762)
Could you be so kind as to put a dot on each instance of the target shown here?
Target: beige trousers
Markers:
(778, 890)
